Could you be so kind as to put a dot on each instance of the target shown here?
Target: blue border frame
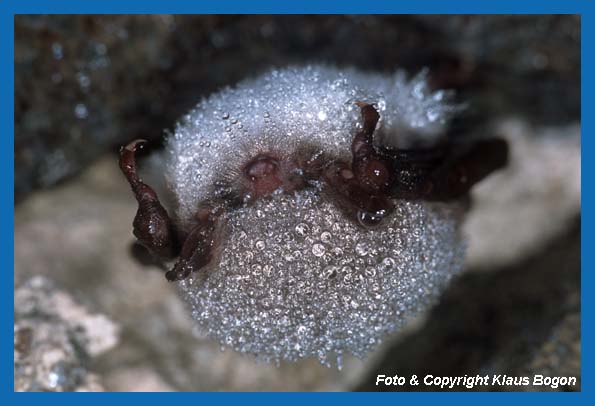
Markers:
(9, 8)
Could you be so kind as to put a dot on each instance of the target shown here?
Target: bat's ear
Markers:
(152, 225)
(448, 171)
(468, 165)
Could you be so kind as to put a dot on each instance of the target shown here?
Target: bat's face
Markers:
(304, 229)
(293, 114)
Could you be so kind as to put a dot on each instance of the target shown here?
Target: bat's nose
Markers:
(263, 174)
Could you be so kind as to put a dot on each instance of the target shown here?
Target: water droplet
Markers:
(370, 272)
(326, 237)
(387, 264)
(438, 96)
(248, 256)
(225, 116)
(260, 245)
(318, 250)
(337, 252)
(83, 79)
(57, 50)
(101, 49)
(418, 90)
(267, 270)
(330, 272)
(321, 115)
(432, 115)
(80, 111)
(302, 229)
(361, 249)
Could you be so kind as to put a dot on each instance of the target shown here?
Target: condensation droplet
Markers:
(330, 272)
(432, 115)
(302, 229)
(81, 111)
(248, 255)
(337, 252)
(57, 50)
(267, 270)
(256, 269)
(326, 237)
(83, 79)
(387, 264)
(339, 362)
(318, 250)
(361, 249)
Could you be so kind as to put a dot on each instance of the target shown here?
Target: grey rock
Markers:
(55, 339)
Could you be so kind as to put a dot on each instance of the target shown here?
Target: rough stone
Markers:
(55, 339)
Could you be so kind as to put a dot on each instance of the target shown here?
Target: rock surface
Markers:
(55, 338)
